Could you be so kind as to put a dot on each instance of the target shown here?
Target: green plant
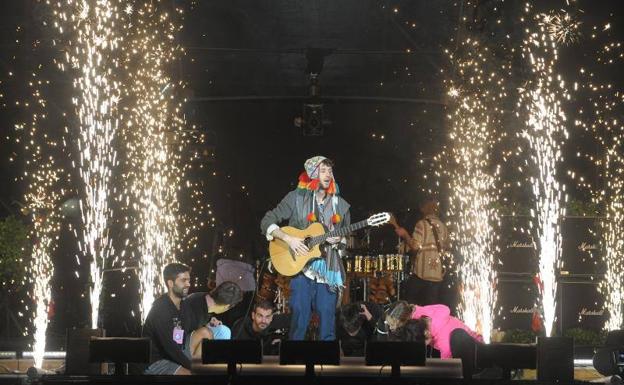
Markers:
(582, 208)
(586, 337)
(519, 336)
(13, 253)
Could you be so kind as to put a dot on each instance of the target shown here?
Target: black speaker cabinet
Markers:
(517, 252)
(516, 300)
(581, 305)
(580, 245)
(77, 355)
(555, 359)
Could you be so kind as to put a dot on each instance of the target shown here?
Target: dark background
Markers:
(246, 70)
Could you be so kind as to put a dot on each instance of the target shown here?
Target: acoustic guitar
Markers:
(287, 263)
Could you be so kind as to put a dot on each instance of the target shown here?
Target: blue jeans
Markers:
(306, 295)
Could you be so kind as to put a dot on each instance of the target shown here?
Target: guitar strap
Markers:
(435, 236)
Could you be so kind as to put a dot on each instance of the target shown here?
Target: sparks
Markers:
(90, 29)
(42, 198)
(473, 182)
(604, 124)
(152, 133)
(564, 29)
(540, 105)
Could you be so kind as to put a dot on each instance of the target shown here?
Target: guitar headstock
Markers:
(378, 219)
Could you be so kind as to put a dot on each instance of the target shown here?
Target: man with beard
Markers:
(318, 286)
(263, 326)
(163, 325)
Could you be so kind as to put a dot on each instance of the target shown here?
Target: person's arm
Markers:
(281, 212)
(418, 236)
(414, 242)
(164, 333)
(370, 321)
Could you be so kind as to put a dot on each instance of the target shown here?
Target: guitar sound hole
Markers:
(306, 241)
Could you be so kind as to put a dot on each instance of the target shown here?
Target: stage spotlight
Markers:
(312, 120)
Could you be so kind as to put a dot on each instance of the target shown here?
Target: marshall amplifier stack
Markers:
(579, 303)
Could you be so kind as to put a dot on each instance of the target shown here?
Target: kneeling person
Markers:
(357, 324)
(200, 311)
(163, 325)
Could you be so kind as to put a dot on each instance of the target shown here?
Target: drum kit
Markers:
(375, 278)
(374, 265)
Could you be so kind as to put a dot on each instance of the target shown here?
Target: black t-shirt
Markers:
(355, 345)
(159, 327)
(194, 311)
(243, 330)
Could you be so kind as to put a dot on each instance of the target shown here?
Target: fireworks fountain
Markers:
(474, 187)
(603, 122)
(43, 196)
(154, 141)
(89, 28)
(540, 106)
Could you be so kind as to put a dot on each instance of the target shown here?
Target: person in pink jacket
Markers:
(437, 328)
(440, 327)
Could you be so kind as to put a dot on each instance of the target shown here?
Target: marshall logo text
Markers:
(587, 246)
(585, 312)
(521, 310)
(520, 245)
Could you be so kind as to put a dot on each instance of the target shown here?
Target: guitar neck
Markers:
(338, 232)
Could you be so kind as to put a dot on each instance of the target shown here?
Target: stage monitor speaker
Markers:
(120, 351)
(506, 356)
(231, 352)
(77, 355)
(555, 359)
(309, 353)
(396, 354)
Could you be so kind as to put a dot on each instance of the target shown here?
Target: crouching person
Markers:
(200, 312)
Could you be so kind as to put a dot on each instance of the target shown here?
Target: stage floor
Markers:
(351, 371)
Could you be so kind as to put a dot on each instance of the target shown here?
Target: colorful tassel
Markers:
(313, 185)
(303, 181)
(332, 188)
(311, 217)
(336, 218)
